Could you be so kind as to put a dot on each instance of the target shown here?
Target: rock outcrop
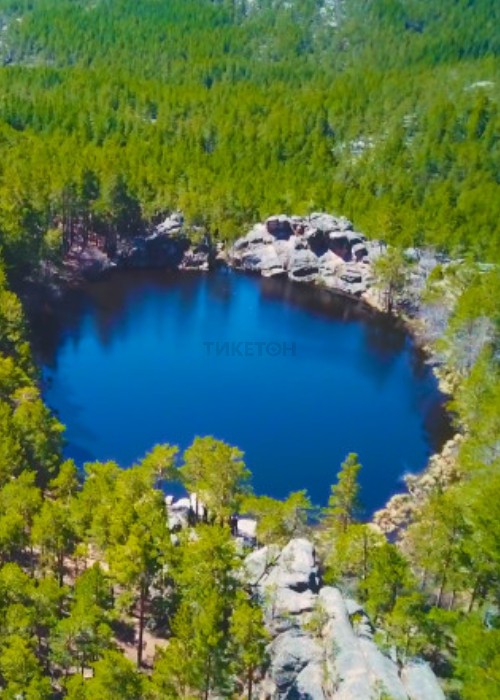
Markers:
(322, 644)
(169, 245)
(441, 471)
(319, 248)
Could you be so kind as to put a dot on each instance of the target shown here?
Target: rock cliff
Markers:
(318, 248)
(322, 644)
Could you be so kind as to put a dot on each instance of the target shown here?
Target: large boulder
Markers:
(309, 684)
(296, 567)
(328, 223)
(255, 252)
(290, 653)
(286, 602)
(279, 226)
(197, 258)
(345, 659)
(171, 225)
(339, 661)
(258, 563)
(356, 660)
(321, 248)
(261, 258)
(420, 682)
(178, 514)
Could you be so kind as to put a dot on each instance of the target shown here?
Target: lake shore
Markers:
(54, 281)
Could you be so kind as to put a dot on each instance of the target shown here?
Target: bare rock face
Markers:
(169, 245)
(322, 646)
(420, 682)
(320, 248)
(292, 653)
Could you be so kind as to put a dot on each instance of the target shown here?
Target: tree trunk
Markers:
(365, 555)
(60, 568)
(142, 607)
(441, 591)
(32, 561)
(388, 301)
(250, 684)
(473, 595)
(423, 580)
(207, 678)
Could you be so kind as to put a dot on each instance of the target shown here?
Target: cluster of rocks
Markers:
(187, 510)
(441, 471)
(319, 248)
(322, 643)
(169, 245)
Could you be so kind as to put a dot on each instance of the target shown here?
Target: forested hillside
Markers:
(115, 112)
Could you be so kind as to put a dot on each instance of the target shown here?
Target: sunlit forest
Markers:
(115, 113)
(384, 111)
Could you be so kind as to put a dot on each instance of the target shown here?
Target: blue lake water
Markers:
(132, 360)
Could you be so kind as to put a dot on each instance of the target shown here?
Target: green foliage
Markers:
(405, 626)
(344, 503)
(115, 113)
(391, 273)
(20, 671)
(20, 501)
(478, 659)
(217, 474)
(54, 534)
(348, 552)
(279, 521)
(114, 678)
(124, 516)
(84, 634)
(249, 639)
(437, 541)
(388, 578)
(204, 573)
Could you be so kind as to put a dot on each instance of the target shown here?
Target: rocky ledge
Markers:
(319, 248)
(168, 245)
(441, 471)
(322, 645)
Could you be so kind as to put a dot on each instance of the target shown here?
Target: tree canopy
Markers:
(113, 113)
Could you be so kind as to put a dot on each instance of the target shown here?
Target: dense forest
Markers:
(113, 113)
(117, 112)
(88, 564)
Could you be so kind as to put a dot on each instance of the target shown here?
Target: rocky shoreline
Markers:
(319, 249)
(441, 471)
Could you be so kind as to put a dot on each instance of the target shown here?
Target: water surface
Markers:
(129, 362)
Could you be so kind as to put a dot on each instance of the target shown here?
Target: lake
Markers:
(295, 377)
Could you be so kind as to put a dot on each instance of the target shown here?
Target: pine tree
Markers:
(344, 503)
